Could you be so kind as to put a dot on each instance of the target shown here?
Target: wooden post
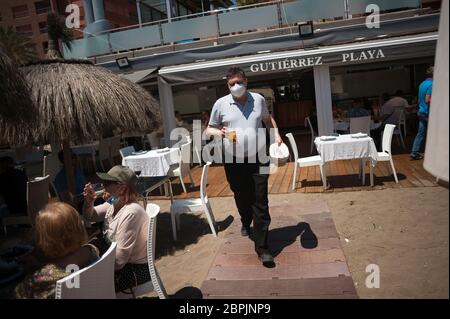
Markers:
(69, 167)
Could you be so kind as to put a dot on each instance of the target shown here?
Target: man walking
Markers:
(424, 100)
(232, 115)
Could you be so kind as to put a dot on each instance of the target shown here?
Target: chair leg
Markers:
(294, 178)
(402, 141)
(210, 218)
(393, 169)
(174, 226)
(182, 184)
(192, 181)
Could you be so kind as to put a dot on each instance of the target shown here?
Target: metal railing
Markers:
(218, 23)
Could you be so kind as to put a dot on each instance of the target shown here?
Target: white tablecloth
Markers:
(345, 125)
(153, 163)
(346, 147)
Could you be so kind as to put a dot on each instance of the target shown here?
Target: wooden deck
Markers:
(342, 176)
(309, 261)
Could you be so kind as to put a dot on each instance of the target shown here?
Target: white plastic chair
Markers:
(313, 134)
(194, 205)
(126, 151)
(37, 198)
(183, 168)
(360, 125)
(114, 148)
(92, 282)
(104, 152)
(52, 166)
(386, 154)
(304, 162)
(155, 284)
(397, 130)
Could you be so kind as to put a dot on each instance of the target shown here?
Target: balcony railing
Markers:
(218, 23)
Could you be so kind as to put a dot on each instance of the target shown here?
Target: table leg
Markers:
(324, 175)
(371, 173)
(170, 191)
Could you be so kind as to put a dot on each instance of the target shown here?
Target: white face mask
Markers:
(237, 90)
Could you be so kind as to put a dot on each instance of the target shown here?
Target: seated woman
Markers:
(63, 240)
(125, 222)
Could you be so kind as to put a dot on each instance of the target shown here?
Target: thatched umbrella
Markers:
(15, 101)
(78, 101)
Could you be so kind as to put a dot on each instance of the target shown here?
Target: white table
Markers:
(154, 162)
(344, 125)
(346, 147)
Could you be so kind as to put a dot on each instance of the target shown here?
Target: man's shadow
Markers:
(280, 238)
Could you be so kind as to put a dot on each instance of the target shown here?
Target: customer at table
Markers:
(358, 109)
(13, 188)
(125, 222)
(60, 182)
(391, 108)
(62, 238)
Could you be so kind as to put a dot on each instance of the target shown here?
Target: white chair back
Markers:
(203, 183)
(126, 151)
(308, 123)
(93, 282)
(387, 138)
(114, 148)
(52, 166)
(152, 211)
(360, 124)
(185, 159)
(153, 139)
(293, 145)
(37, 196)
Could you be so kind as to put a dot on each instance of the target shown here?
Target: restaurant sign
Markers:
(295, 63)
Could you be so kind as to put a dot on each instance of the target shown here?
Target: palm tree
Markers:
(17, 46)
(57, 30)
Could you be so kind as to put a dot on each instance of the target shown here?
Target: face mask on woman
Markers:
(237, 90)
(113, 200)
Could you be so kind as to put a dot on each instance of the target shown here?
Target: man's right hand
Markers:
(89, 195)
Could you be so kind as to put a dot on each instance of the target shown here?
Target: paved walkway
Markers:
(309, 259)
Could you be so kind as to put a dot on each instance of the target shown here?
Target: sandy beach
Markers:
(403, 231)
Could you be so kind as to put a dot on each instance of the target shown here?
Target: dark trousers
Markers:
(250, 194)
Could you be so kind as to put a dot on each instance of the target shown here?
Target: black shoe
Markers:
(245, 231)
(266, 259)
(416, 157)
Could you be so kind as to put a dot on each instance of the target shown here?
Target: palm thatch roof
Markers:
(15, 101)
(77, 101)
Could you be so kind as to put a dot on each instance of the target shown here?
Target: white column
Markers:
(436, 149)
(323, 99)
(167, 109)
(138, 9)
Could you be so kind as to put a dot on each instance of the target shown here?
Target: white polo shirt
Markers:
(246, 120)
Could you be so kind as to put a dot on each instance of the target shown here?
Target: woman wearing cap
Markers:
(125, 222)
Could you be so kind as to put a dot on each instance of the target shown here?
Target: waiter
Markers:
(239, 116)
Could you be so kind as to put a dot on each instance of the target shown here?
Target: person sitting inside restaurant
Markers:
(179, 120)
(391, 108)
(62, 238)
(125, 222)
(13, 188)
(358, 109)
(61, 182)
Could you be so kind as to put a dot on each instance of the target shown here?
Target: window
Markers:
(25, 29)
(20, 11)
(43, 27)
(43, 7)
